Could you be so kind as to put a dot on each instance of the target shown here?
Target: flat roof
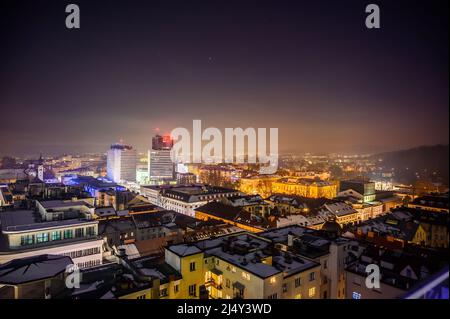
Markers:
(63, 203)
(26, 220)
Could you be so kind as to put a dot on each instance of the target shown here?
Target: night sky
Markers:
(310, 68)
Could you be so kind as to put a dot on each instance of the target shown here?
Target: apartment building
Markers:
(185, 199)
(244, 266)
(330, 251)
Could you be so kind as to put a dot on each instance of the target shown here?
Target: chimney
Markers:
(290, 240)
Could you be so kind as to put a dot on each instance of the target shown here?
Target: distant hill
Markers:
(429, 161)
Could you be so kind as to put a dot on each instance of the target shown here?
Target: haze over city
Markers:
(312, 70)
(231, 158)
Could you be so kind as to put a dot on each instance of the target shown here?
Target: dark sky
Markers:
(310, 68)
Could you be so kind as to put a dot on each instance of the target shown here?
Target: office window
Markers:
(356, 295)
(42, 237)
(90, 231)
(312, 292)
(27, 240)
(312, 276)
(56, 235)
(297, 282)
(192, 290)
(79, 232)
(68, 233)
(192, 266)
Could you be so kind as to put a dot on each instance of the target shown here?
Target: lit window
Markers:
(273, 280)
(312, 292)
(68, 233)
(356, 295)
(41, 238)
(192, 290)
(27, 240)
(298, 296)
(56, 235)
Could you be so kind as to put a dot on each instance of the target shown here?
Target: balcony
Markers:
(213, 283)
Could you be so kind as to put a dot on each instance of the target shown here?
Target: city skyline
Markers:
(226, 157)
(312, 70)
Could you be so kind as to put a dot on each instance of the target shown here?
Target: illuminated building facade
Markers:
(243, 266)
(160, 164)
(305, 187)
(121, 163)
(185, 199)
(366, 189)
(255, 185)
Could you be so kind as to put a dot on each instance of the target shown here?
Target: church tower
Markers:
(40, 168)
